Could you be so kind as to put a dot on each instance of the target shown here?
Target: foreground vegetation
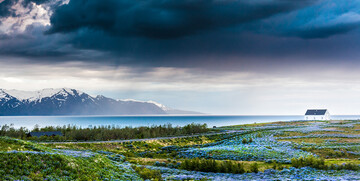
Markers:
(103, 133)
(29, 161)
(298, 150)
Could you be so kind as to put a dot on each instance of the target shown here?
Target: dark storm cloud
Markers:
(193, 33)
(323, 19)
(6, 8)
(325, 32)
(164, 19)
(38, 2)
(31, 43)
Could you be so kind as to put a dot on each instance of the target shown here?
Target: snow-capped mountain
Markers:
(67, 101)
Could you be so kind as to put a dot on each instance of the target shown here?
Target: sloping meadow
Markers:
(29, 161)
(249, 147)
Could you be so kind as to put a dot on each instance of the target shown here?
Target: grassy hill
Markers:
(297, 150)
(22, 160)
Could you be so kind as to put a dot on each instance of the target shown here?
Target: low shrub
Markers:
(148, 174)
(319, 163)
(209, 165)
(309, 161)
(254, 168)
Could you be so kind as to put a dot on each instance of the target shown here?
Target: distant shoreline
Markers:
(149, 120)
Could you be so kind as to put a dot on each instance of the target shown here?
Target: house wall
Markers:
(318, 117)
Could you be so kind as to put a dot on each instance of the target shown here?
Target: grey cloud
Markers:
(7, 6)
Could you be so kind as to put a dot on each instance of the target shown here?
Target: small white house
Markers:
(317, 114)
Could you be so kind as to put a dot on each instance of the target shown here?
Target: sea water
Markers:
(136, 121)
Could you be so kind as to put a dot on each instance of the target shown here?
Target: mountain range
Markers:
(67, 101)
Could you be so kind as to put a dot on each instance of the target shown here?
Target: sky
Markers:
(236, 57)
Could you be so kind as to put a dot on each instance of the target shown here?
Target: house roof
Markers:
(49, 133)
(316, 112)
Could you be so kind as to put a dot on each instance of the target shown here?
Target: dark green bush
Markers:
(148, 174)
(244, 141)
(210, 165)
(254, 168)
(309, 161)
(319, 163)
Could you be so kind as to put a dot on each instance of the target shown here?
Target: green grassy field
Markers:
(322, 149)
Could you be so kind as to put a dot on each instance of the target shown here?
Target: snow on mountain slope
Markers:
(2, 94)
(37, 95)
(161, 106)
(44, 93)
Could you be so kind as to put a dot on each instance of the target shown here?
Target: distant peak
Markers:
(39, 94)
(67, 101)
(68, 89)
(2, 93)
(71, 91)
